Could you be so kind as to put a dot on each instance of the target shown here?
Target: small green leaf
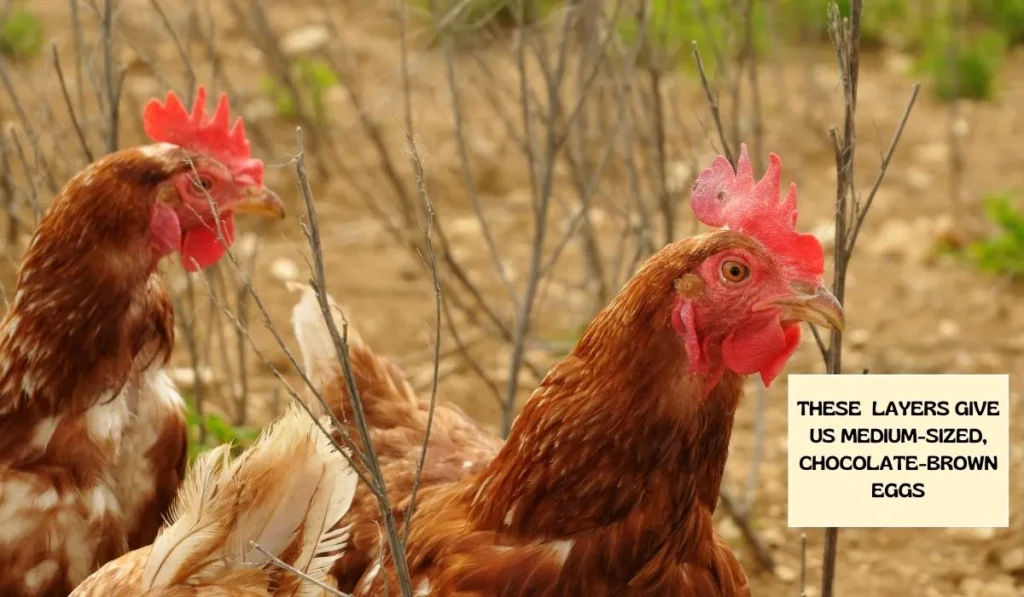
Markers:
(21, 34)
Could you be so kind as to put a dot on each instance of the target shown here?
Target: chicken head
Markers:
(741, 308)
(210, 176)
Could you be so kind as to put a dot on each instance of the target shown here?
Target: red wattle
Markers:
(201, 246)
(761, 348)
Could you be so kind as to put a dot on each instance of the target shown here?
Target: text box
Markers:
(899, 450)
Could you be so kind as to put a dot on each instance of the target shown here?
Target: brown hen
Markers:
(92, 430)
(610, 476)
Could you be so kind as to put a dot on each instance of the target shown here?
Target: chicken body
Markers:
(582, 499)
(610, 476)
(92, 431)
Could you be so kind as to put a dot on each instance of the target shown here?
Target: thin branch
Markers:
(760, 551)
(113, 87)
(305, 577)
(432, 268)
(882, 169)
(86, 151)
(340, 339)
(849, 213)
(713, 103)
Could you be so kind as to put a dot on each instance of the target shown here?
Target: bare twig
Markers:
(740, 512)
(432, 267)
(431, 259)
(850, 213)
(761, 553)
(86, 151)
(803, 565)
(305, 577)
(713, 104)
(340, 339)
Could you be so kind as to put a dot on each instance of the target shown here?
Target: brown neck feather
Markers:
(88, 308)
(620, 444)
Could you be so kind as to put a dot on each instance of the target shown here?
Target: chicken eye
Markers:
(202, 184)
(734, 272)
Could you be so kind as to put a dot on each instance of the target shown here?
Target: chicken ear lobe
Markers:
(201, 246)
(684, 320)
(164, 229)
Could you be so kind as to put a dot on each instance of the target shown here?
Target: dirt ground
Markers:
(909, 308)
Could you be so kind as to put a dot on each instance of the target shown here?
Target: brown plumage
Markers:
(284, 494)
(92, 431)
(611, 473)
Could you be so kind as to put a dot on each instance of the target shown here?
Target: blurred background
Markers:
(557, 141)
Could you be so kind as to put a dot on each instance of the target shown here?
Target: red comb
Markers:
(722, 197)
(168, 122)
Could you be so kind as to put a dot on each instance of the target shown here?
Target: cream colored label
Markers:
(899, 450)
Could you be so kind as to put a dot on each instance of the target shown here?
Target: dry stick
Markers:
(579, 155)
(350, 444)
(542, 199)
(849, 214)
(803, 565)
(113, 89)
(846, 38)
(282, 564)
(642, 237)
(588, 186)
(432, 267)
(340, 340)
(190, 73)
(739, 514)
(317, 249)
(370, 128)
(587, 181)
(304, 576)
(664, 200)
(12, 130)
(192, 346)
(242, 308)
(265, 39)
(467, 173)
(13, 222)
(86, 151)
(431, 258)
(713, 103)
(755, 86)
(77, 29)
(496, 325)
(761, 401)
(42, 164)
(761, 553)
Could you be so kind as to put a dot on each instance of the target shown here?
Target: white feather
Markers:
(319, 355)
(193, 520)
(290, 485)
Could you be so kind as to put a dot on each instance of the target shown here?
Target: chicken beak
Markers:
(260, 201)
(813, 305)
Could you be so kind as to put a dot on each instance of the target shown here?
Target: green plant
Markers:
(672, 25)
(972, 75)
(21, 34)
(880, 18)
(1005, 15)
(312, 77)
(218, 431)
(1004, 252)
